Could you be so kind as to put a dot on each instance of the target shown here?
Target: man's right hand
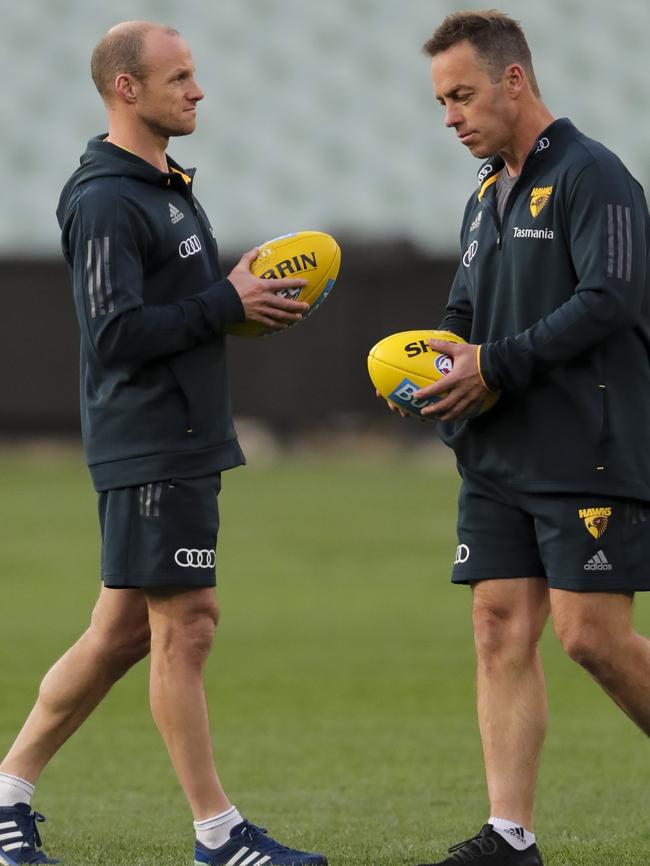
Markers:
(392, 406)
(259, 296)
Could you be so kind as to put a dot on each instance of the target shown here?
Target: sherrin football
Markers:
(311, 256)
(402, 363)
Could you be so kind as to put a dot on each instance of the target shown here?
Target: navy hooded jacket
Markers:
(557, 294)
(152, 308)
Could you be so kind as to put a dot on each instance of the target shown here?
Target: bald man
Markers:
(153, 310)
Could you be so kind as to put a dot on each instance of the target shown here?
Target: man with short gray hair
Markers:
(153, 309)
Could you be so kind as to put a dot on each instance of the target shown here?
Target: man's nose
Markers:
(197, 94)
(452, 116)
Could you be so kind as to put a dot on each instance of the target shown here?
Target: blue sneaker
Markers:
(19, 836)
(250, 846)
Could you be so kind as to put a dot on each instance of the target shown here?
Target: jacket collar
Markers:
(544, 144)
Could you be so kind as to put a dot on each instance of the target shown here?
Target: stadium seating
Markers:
(316, 115)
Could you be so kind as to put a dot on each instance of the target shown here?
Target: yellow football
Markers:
(402, 363)
(311, 256)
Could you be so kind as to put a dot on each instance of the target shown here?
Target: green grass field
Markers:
(341, 685)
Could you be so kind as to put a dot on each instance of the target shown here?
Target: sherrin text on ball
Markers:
(312, 256)
(402, 363)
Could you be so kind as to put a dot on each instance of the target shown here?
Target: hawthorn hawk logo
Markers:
(539, 198)
(595, 520)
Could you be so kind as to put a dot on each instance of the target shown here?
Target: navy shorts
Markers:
(160, 534)
(581, 543)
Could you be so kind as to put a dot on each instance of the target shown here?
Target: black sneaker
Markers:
(490, 849)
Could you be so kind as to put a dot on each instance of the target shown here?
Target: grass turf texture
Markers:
(341, 684)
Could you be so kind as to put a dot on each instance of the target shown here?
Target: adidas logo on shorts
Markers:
(598, 562)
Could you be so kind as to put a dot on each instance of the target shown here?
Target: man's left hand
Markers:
(463, 388)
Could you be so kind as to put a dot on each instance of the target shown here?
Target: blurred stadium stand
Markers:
(312, 375)
(316, 116)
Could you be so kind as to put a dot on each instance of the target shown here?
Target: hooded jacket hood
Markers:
(103, 159)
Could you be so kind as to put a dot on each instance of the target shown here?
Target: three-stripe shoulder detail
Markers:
(98, 276)
(619, 242)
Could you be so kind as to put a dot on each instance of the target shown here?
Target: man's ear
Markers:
(126, 87)
(515, 79)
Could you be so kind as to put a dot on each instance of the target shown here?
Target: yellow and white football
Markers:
(402, 363)
(311, 256)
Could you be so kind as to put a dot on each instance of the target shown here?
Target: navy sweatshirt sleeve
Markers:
(608, 248)
(106, 241)
(459, 313)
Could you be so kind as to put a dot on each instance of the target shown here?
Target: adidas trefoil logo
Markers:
(598, 562)
(175, 214)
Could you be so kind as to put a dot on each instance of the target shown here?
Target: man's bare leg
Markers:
(117, 638)
(509, 617)
(183, 624)
(597, 632)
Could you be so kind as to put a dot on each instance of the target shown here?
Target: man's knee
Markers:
(594, 629)
(502, 631)
(586, 643)
(121, 643)
(187, 634)
(194, 634)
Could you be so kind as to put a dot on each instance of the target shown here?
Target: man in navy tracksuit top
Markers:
(552, 297)
(157, 429)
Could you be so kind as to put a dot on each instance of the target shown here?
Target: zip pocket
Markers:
(603, 435)
(184, 398)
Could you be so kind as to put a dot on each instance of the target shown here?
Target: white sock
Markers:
(514, 834)
(215, 832)
(14, 790)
